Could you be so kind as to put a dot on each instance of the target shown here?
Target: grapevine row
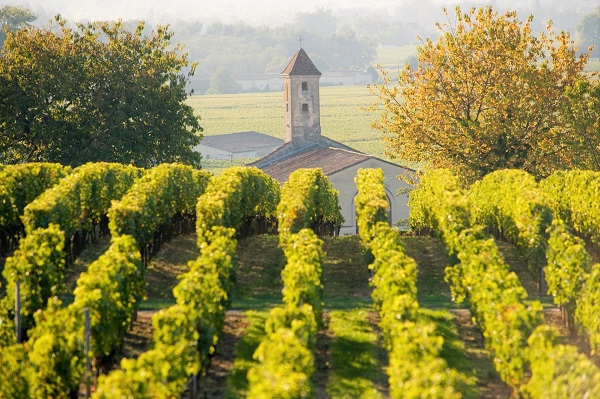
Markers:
(308, 201)
(512, 329)
(572, 278)
(78, 205)
(39, 265)
(75, 207)
(160, 204)
(20, 185)
(187, 333)
(52, 360)
(242, 198)
(114, 284)
(80, 202)
(538, 218)
(572, 197)
(573, 282)
(510, 202)
(285, 360)
(416, 368)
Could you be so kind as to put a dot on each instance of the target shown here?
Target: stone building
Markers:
(305, 147)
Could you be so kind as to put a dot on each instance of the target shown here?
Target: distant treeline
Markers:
(244, 49)
(345, 40)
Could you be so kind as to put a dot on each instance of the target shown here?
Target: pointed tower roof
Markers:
(301, 64)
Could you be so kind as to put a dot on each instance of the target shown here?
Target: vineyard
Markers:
(270, 304)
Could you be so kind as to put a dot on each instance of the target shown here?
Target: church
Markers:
(305, 147)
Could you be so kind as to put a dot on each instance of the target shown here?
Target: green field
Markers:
(342, 115)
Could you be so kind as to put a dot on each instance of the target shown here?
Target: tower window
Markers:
(305, 107)
(304, 86)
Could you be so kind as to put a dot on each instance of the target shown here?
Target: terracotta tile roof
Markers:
(301, 64)
(241, 141)
(329, 159)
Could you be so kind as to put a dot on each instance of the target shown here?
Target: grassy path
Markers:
(357, 357)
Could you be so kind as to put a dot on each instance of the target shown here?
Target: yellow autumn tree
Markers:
(487, 95)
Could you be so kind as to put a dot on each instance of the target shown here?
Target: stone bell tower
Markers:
(301, 100)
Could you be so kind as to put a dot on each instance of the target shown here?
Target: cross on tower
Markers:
(300, 41)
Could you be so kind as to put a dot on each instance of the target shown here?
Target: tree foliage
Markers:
(96, 92)
(223, 83)
(588, 31)
(582, 115)
(242, 48)
(486, 95)
(13, 18)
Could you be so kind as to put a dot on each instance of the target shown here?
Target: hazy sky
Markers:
(271, 12)
(254, 12)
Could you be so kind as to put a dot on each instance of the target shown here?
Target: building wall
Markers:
(215, 153)
(212, 153)
(343, 181)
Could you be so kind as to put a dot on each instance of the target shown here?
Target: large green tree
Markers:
(96, 92)
(487, 95)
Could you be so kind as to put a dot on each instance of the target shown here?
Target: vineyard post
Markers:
(86, 350)
(543, 287)
(194, 386)
(18, 311)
